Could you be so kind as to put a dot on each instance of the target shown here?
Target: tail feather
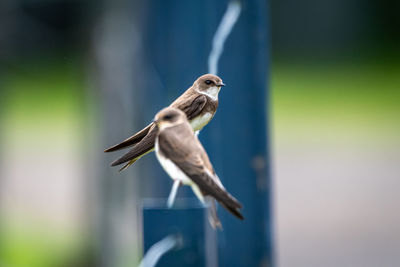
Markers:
(132, 156)
(145, 146)
(210, 187)
(230, 203)
(234, 211)
(134, 139)
(127, 165)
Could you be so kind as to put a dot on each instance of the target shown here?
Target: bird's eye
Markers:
(208, 82)
(167, 117)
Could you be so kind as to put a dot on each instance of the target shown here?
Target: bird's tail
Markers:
(134, 139)
(146, 145)
(234, 211)
(132, 161)
(213, 188)
(127, 165)
(230, 203)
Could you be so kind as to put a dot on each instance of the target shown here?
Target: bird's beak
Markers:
(221, 84)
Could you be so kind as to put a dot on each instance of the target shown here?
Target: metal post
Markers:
(187, 221)
(237, 140)
(179, 40)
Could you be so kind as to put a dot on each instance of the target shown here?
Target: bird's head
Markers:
(209, 84)
(168, 117)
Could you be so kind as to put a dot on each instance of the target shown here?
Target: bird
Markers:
(199, 102)
(184, 159)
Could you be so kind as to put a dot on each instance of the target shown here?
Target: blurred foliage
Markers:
(43, 90)
(42, 101)
(38, 245)
(333, 97)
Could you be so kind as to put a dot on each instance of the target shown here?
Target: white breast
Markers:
(169, 167)
(200, 121)
(211, 92)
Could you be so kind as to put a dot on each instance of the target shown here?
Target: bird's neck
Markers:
(211, 92)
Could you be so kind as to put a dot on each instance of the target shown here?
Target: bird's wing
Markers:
(145, 146)
(180, 146)
(192, 106)
(137, 137)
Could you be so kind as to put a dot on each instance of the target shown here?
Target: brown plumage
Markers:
(176, 143)
(195, 102)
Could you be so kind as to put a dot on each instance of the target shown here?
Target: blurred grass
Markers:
(42, 102)
(335, 100)
(36, 244)
(42, 93)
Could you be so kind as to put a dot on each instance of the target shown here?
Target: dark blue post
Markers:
(237, 140)
(188, 221)
(175, 41)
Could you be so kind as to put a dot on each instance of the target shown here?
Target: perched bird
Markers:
(199, 103)
(182, 156)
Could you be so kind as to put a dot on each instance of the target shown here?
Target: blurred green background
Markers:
(334, 86)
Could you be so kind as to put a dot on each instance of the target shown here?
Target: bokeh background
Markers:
(335, 126)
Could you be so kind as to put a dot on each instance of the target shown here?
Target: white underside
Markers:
(211, 92)
(200, 121)
(169, 167)
(175, 173)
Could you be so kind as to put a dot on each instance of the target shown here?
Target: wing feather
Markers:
(143, 141)
(136, 138)
(179, 144)
(145, 146)
(191, 107)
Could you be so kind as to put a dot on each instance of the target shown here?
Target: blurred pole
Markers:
(115, 45)
(169, 49)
